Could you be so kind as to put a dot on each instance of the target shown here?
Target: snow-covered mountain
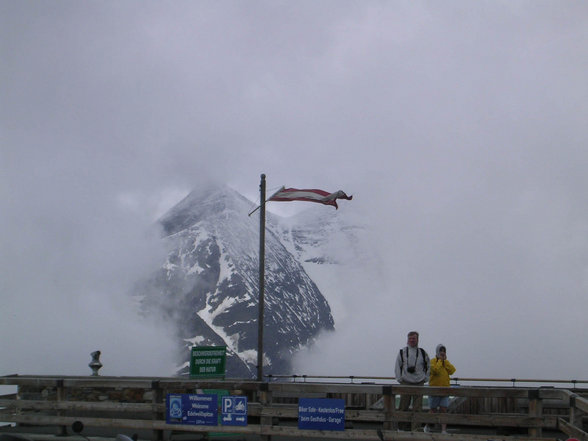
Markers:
(208, 286)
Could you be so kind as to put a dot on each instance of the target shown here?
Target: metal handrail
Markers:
(362, 378)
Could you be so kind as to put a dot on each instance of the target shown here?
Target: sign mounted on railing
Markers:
(208, 361)
(203, 409)
(234, 411)
(200, 409)
(321, 414)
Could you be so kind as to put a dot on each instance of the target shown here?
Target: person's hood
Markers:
(438, 349)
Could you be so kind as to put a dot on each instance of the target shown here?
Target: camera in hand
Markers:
(410, 369)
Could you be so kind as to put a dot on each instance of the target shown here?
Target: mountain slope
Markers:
(208, 286)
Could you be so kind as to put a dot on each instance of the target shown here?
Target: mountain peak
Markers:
(209, 285)
(203, 203)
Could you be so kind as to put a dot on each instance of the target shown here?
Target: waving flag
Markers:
(320, 196)
(283, 194)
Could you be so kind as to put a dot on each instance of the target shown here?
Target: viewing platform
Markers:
(54, 408)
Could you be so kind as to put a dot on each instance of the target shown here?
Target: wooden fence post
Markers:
(157, 398)
(535, 411)
(61, 396)
(265, 399)
(389, 408)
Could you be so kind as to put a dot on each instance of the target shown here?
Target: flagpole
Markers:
(261, 279)
(269, 199)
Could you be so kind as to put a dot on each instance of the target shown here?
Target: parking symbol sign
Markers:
(234, 411)
(227, 404)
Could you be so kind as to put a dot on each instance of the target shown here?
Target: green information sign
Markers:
(208, 361)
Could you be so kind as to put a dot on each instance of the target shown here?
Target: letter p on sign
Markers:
(227, 404)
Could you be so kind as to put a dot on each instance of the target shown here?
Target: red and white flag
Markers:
(320, 196)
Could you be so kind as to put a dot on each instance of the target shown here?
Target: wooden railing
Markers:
(127, 404)
(578, 407)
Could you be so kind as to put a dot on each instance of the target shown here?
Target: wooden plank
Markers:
(106, 406)
(350, 415)
(282, 411)
(323, 388)
(294, 432)
(572, 430)
(175, 383)
(581, 403)
(495, 420)
(49, 420)
(365, 415)
(371, 434)
(254, 409)
(299, 389)
(553, 393)
(52, 437)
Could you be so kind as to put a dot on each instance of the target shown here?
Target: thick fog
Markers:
(459, 128)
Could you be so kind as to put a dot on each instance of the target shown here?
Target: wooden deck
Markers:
(45, 407)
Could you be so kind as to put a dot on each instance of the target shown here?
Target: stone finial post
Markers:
(95, 364)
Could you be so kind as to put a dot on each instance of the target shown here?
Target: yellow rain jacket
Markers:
(440, 371)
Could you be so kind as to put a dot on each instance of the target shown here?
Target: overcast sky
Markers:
(460, 128)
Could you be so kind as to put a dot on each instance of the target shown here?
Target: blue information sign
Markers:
(196, 409)
(321, 414)
(234, 411)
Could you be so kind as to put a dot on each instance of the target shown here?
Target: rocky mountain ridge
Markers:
(208, 285)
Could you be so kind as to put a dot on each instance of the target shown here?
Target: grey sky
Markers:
(459, 127)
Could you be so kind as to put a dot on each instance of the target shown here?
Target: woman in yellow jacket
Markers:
(441, 369)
